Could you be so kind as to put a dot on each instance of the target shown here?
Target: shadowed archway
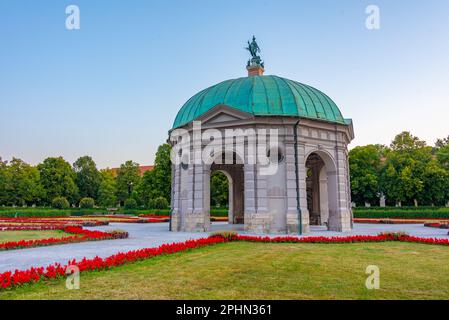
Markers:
(322, 189)
(235, 176)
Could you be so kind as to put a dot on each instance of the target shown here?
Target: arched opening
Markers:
(321, 183)
(220, 184)
(226, 187)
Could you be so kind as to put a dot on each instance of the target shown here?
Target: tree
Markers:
(401, 178)
(130, 204)
(365, 165)
(443, 156)
(107, 189)
(157, 182)
(148, 188)
(58, 180)
(390, 185)
(442, 142)
(405, 141)
(158, 203)
(128, 179)
(60, 203)
(23, 187)
(87, 177)
(87, 203)
(162, 171)
(435, 184)
(219, 189)
(4, 182)
(442, 152)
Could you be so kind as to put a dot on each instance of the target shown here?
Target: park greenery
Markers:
(407, 173)
(57, 184)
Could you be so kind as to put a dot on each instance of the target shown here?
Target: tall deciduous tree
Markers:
(162, 171)
(364, 165)
(435, 184)
(442, 152)
(107, 189)
(148, 188)
(58, 179)
(402, 176)
(157, 182)
(24, 187)
(87, 177)
(4, 181)
(128, 179)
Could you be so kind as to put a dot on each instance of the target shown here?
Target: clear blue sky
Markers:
(112, 89)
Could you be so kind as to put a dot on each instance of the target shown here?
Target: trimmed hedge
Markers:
(404, 208)
(40, 212)
(402, 212)
(87, 203)
(219, 212)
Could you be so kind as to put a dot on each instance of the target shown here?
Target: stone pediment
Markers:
(222, 114)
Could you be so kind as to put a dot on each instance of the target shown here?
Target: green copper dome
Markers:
(262, 96)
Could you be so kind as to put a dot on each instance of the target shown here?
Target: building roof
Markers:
(263, 96)
(142, 170)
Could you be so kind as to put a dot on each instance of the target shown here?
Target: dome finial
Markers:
(255, 65)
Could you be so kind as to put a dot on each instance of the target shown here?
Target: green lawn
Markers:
(7, 236)
(242, 270)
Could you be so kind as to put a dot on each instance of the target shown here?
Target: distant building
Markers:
(142, 170)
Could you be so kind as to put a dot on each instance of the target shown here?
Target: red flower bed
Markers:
(154, 217)
(31, 227)
(80, 235)
(347, 239)
(44, 222)
(292, 239)
(12, 279)
(437, 225)
(389, 221)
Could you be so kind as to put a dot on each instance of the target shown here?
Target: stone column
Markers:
(324, 197)
(315, 218)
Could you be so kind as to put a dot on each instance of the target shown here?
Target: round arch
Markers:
(235, 175)
(323, 190)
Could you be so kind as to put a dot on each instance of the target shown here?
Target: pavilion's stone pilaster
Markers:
(196, 217)
(255, 216)
(176, 198)
(341, 219)
(291, 183)
(261, 221)
(303, 187)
